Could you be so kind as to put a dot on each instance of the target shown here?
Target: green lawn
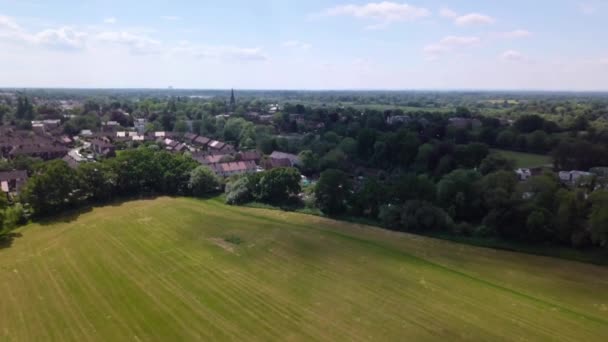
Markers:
(526, 160)
(163, 270)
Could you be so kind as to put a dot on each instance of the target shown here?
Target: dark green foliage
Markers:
(458, 194)
(598, 221)
(278, 186)
(53, 188)
(420, 216)
(203, 181)
(333, 192)
(496, 162)
(239, 191)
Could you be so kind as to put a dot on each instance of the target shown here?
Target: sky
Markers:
(313, 44)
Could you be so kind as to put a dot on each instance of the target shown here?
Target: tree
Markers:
(369, 197)
(420, 216)
(203, 181)
(97, 181)
(180, 126)
(457, 193)
(506, 139)
(529, 123)
(238, 191)
(570, 216)
(411, 187)
(496, 189)
(25, 110)
(278, 185)
(598, 220)
(334, 159)
(309, 162)
(333, 191)
(53, 188)
(496, 162)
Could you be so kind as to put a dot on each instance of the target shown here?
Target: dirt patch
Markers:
(227, 246)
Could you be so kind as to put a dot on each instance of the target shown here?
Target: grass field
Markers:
(526, 160)
(183, 269)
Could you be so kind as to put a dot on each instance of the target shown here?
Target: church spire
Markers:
(232, 100)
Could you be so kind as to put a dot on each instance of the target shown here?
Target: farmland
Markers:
(184, 269)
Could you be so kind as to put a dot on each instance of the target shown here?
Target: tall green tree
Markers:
(332, 192)
(53, 188)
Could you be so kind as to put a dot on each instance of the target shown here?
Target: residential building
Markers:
(11, 182)
(103, 148)
(293, 159)
(234, 168)
(140, 126)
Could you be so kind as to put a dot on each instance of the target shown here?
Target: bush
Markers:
(390, 216)
(484, 231)
(238, 191)
(203, 181)
(419, 216)
(233, 239)
(13, 217)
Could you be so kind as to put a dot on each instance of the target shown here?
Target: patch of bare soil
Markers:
(225, 245)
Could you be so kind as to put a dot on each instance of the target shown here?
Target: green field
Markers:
(162, 269)
(526, 160)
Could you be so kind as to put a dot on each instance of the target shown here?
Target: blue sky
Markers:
(552, 45)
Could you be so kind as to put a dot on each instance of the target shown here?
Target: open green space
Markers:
(184, 270)
(526, 160)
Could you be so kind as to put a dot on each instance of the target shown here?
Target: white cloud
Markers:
(474, 19)
(450, 44)
(63, 37)
(58, 38)
(447, 13)
(587, 8)
(295, 44)
(110, 20)
(469, 19)
(136, 43)
(8, 23)
(385, 12)
(459, 41)
(516, 34)
(512, 56)
(221, 53)
(170, 18)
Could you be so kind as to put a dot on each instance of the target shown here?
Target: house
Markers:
(65, 140)
(274, 163)
(11, 182)
(110, 126)
(189, 137)
(103, 148)
(464, 123)
(253, 156)
(86, 133)
(523, 174)
(180, 148)
(233, 168)
(38, 128)
(397, 119)
(293, 159)
(43, 151)
(45, 125)
(140, 126)
(72, 163)
(208, 159)
(573, 176)
(215, 145)
(201, 141)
